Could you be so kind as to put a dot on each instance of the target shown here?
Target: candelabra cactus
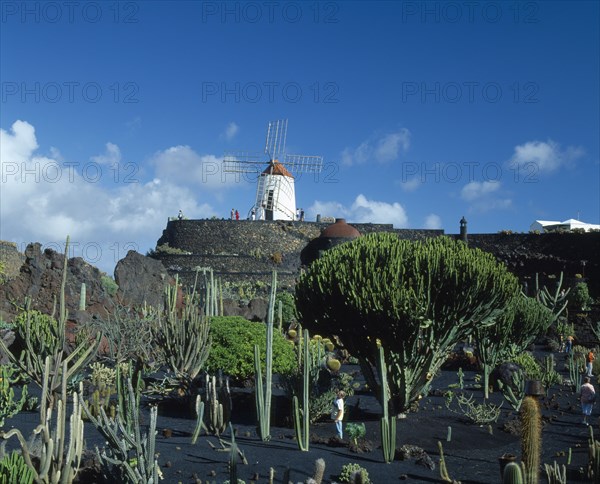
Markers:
(418, 298)
(531, 439)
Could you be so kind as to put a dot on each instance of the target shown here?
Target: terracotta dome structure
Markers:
(331, 236)
(340, 230)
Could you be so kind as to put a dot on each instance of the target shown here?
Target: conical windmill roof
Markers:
(277, 169)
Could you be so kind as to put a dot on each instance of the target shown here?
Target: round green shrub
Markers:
(232, 349)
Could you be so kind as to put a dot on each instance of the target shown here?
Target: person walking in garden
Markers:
(569, 344)
(587, 398)
(589, 360)
(338, 406)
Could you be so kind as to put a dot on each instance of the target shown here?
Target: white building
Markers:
(544, 226)
(275, 194)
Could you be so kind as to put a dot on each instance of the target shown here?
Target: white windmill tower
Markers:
(275, 191)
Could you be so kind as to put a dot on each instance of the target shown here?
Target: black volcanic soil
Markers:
(471, 455)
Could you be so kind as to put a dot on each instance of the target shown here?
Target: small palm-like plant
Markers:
(356, 431)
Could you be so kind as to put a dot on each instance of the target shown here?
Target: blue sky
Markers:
(115, 115)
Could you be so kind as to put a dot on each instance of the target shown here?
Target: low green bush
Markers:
(232, 350)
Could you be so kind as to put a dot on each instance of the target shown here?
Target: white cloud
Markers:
(484, 196)
(543, 156)
(182, 165)
(111, 157)
(363, 210)
(475, 190)
(230, 131)
(381, 149)
(433, 221)
(410, 185)
(42, 200)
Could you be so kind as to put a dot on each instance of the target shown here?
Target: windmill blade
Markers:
(276, 136)
(243, 162)
(303, 163)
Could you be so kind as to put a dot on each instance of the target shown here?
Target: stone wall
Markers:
(242, 250)
(547, 255)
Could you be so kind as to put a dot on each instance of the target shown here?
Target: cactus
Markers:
(183, 334)
(556, 474)
(443, 470)
(556, 302)
(531, 439)
(8, 405)
(218, 400)
(14, 470)
(199, 419)
(449, 434)
(387, 422)
(302, 425)
(82, 295)
(515, 391)
(418, 298)
(130, 457)
(233, 458)
(319, 471)
(33, 359)
(60, 455)
(334, 364)
(512, 474)
(263, 394)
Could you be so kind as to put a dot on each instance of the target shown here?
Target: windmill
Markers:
(275, 191)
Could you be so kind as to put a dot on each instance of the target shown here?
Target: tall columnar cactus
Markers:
(82, 295)
(60, 454)
(199, 419)
(263, 394)
(512, 474)
(531, 439)
(302, 415)
(418, 298)
(387, 422)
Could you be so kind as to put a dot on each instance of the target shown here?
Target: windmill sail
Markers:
(275, 191)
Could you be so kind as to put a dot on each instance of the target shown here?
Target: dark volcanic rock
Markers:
(141, 280)
(255, 310)
(504, 373)
(40, 279)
